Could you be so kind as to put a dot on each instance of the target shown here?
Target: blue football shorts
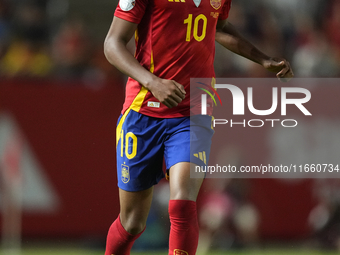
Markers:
(143, 142)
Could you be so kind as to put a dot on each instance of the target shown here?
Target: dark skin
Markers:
(135, 206)
(168, 92)
(228, 37)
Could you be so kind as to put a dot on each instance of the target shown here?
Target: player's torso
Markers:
(181, 34)
(176, 40)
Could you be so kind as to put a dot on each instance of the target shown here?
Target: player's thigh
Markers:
(139, 151)
(134, 208)
(182, 187)
(188, 146)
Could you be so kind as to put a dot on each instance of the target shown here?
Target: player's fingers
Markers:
(177, 98)
(171, 102)
(180, 87)
(166, 104)
(287, 76)
(278, 64)
(179, 93)
(283, 72)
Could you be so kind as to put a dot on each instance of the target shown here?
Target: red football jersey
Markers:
(175, 40)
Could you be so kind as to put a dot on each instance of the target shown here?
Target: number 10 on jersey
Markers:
(188, 21)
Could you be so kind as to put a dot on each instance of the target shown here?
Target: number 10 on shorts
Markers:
(130, 141)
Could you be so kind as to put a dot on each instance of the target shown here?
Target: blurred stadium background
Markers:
(59, 102)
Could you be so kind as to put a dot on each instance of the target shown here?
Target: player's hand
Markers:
(279, 66)
(168, 92)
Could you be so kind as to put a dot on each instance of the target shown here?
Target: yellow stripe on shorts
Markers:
(137, 102)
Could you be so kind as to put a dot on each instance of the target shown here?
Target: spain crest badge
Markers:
(216, 4)
(125, 174)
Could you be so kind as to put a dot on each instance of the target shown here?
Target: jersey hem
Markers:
(159, 115)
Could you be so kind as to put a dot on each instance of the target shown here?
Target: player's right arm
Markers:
(168, 92)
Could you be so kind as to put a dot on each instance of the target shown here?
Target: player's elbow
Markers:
(111, 47)
(108, 48)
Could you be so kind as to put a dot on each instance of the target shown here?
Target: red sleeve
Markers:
(225, 10)
(131, 10)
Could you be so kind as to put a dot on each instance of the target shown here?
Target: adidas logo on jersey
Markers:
(201, 156)
(154, 104)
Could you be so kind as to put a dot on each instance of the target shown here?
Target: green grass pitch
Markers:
(55, 251)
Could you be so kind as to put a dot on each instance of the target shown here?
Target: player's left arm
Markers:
(230, 38)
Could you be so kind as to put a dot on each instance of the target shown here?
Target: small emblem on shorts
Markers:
(154, 104)
(125, 174)
(201, 156)
(180, 252)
